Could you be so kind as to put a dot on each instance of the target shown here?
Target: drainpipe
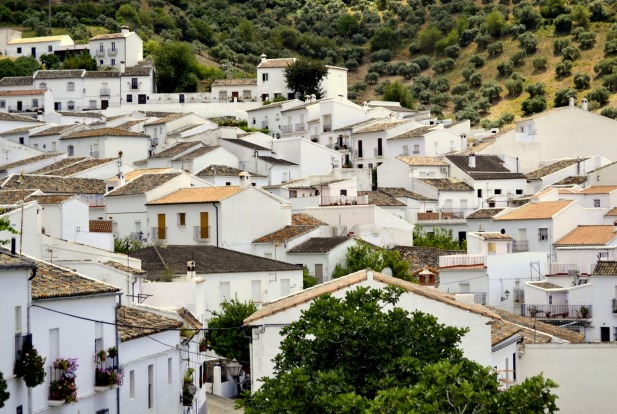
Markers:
(118, 349)
(217, 224)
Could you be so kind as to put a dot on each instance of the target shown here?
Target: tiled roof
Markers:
(272, 105)
(447, 184)
(235, 82)
(378, 198)
(285, 234)
(142, 184)
(27, 161)
(276, 161)
(138, 71)
(403, 192)
(421, 256)
(135, 323)
(56, 185)
(58, 165)
(501, 330)
(496, 176)
(484, 163)
(590, 235)
(218, 170)
(533, 330)
(52, 281)
(208, 260)
(536, 211)
(599, 189)
(19, 130)
(124, 268)
(59, 74)
(572, 180)
(612, 212)
(197, 153)
(197, 195)
(244, 143)
(5, 116)
(414, 133)
(16, 81)
(189, 318)
(51, 199)
(13, 196)
(422, 161)
(129, 124)
(138, 173)
(105, 132)
(310, 294)
(23, 92)
(602, 167)
(360, 124)
(176, 149)
(545, 285)
(101, 74)
(485, 213)
(81, 166)
(108, 36)
(10, 261)
(86, 114)
(550, 169)
(494, 236)
(53, 130)
(276, 63)
(383, 126)
(303, 219)
(605, 268)
(101, 226)
(318, 245)
(184, 129)
(37, 39)
(167, 118)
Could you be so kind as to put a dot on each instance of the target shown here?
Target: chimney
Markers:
(190, 269)
(584, 105)
(463, 141)
(571, 102)
(245, 179)
(120, 175)
(122, 66)
(264, 58)
(472, 160)
(307, 98)
(125, 31)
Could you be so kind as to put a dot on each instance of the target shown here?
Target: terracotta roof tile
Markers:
(131, 175)
(276, 63)
(27, 161)
(142, 184)
(51, 199)
(401, 192)
(381, 199)
(485, 213)
(310, 294)
(197, 153)
(303, 219)
(529, 325)
(197, 195)
(545, 285)
(219, 170)
(588, 235)
(101, 226)
(13, 196)
(55, 130)
(572, 180)
(285, 234)
(102, 74)
(177, 149)
(124, 268)
(5, 116)
(37, 39)
(167, 118)
(318, 245)
(12, 261)
(235, 82)
(244, 143)
(550, 169)
(56, 185)
(58, 165)
(108, 36)
(59, 74)
(105, 132)
(275, 161)
(138, 71)
(85, 114)
(135, 323)
(81, 167)
(536, 211)
(422, 256)
(605, 268)
(599, 189)
(422, 161)
(23, 92)
(494, 236)
(383, 126)
(612, 212)
(447, 184)
(20, 129)
(501, 330)
(414, 133)
(189, 318)
(16, 81)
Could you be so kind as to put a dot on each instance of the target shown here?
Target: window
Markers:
(227, 183)
(479, 193)
(71, 105)
(98, 337)
(132, 384)
(405, 149)
(169, 370)
(181, 219)
(543, 234)
(2, 104)
(550, 299)
(596, 202)
(43, 85)
(285, 287)
(70, 150)
(101, 47)
(498, 191)
(54, 345)
(101, 62)
(492, 248)
(256, 291)
(264, 77)
(344, 192)
(70, 86)
(19, 50)
(113, 62)
(21, 140)
(224, 291)
(379, 147)
(150, 385)
(129, 98)
(92, 104)
(134, 83)
(416, 148)
(35, 103)
(360, 166)
(278, 95)
(113, 46)
(519, 192)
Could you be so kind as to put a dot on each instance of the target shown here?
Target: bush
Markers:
(610, 48)
(475, 79)
(351, 64)
(409, 71)
(586, 40)
(428, 38)
(563, 69)
(477, 61)
(378, 67)
(562, 97)
(518, 58)
(514, 87)
(371, 78)
(533, 105)
(571, 53)
(468, 113)
(600, 95)
(536, 89)
(443, 65)
(422, 61)
(540, 64)
(383, 55)
(482, 41)
(505, 68)
(439, 85)
(563, 24)
(495, 49)
(559, 45)
(459, 89)
(610, 82)
(506, 118)
(453, 51)
(610, 112)
(491, 91)
(605, 66)
(581, 81)
(528, 42)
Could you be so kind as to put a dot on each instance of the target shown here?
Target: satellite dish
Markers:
(387, 271)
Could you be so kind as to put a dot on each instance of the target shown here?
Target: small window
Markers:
(129, 98)
(101, 62)
(498, 191)
(344, 192)
(35, 103)
(181, 219)
(2, 104)
(21, 140)
(543, 234)
(113, 62)
(264, 77)
(50, 49)
(492, 248)
(134, 83)
(479, 193)
(43, 85)
(519, 192)
(132, 384)
(70, 150)
(169, 370)
(19, 50)
(596, 202)
(228, 183)
(113, 46)
(70, 105)
(70, 86)
(360, 165)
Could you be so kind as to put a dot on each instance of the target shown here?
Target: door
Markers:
(161, 227)
(605, 334)
(181, 98)
(235, 96)
(203, 225)
(104, 104)
(57, 106)
(141, 98)
(33, 52)
(319, 272)
(19, 106)
(360, 149)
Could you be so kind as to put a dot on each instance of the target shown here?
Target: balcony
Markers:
(444, 214)
(104, 91)
(95, 154)
(201, 233)
(25, 108)
(562, 269)
(112, 52)
(343, 200)
(519, 295)
(614, 305)
(300, 127)
(138, 236)
(327, 128)
(159, 233)
(520, 246)
(286, 129)
(315, 138)
(462, 260)
(100, 53)
(556, 311)
(22, 341)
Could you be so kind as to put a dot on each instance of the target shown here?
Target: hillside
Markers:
(423, 44)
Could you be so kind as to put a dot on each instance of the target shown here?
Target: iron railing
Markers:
(556, 311)
(519, 295)
(562, 269)
(104, 91)
(300, 127)
(112, 52)
(327, 128)
(614, 305)
(159, 233)
(100, 53)
(286, 128)
(520, 246)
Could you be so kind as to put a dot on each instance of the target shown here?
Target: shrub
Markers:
(563, 24)
(562, 97)
(468, 113)
(475, 79)
(581, 81)
(600, 95)
(610, 82)
(540, 64)
(443, 65)
(610, 48)
(477, 61)
(536, 89)
(505, 68)
(453, 51)
(30, 366)
(439, 85)
(491, 91)
(371, 78)
(383, 55)
(559, 45)
(422, 61)
(467, 72)
(514, 87)
(378, 67)
(409, 71)
(610, 112)
(586, 40)
(351, 64)
(571, 53)
(495, 49)
(506, 118)
(528, 42)
(482, 41)
(605, 66)
(563, 69)
(518, 58)
(459, 89)
(533, 105)
(428, 38)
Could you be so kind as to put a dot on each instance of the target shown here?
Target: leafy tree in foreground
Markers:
(362, 354)
(364, 255)
(304, 77)
(230, 343)
(398, 92)
(439, 237)
(176, 66)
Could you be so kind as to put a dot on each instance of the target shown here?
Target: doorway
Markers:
(605, 334)
(104, 104)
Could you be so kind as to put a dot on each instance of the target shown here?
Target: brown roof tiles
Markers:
(105, 132)
(276, 63)
(401, 192)
(285, 234)
(422, 161)
(235, 82)
(485, 213)
(303, 219)
(51, 199)
(197, 195)
(591, 235)
(56, 185)
(27, 161)
(177, 149)
(124, 268)
(605, 268)
(135, 323)
(447, 184)
(599, 189)
(381, 199)
(537, 211)
(383, 126)
(550, 169)
(142, 184)
(318, 245)
(13, 196)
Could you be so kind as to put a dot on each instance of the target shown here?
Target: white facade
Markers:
(133, 146)
(37, 46)
(116, 49)
(26, 101)
(400, 171)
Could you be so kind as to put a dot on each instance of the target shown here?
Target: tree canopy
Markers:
(364, 255)
(304, 77)
(227, 341)
(440, 237)
(363, 354)
(177, 68)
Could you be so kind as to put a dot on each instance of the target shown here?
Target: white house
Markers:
(269, 320)
(106, 143)
(12, 121)
(12, 83)
(23, 101)
(320, 255)
(137, 84)
(220, 175)
(66, 87)
(414, 203)
(30, 164)
(233, 90)
(37, 46)
(401, 170)
(159, 128)
(101, 89)
(117, 49)
(269, 116)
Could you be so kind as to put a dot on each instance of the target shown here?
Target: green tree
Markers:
(4, 393)
(383, 38)
(533, 105)
(398, 92)
(364, 255)
(5, 225)
(226, 332)
(81, 61)
(580, 16)
(495, 23)
(348, 24)
(441, 238)
(177, 68)
(304, 77)
(50, 61)
(581, 81)
(363, 354)
(428, 38)
(26, 66)
(308, 280)
(563, 95)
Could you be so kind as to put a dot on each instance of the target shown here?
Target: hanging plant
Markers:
(30, 366)
(4, 394)
(63, 387)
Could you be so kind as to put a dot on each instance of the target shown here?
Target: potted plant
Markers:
(112, 352)
(584, 311)
(203, 345)
(188, 389)
(30, 366)
(532, 311)
(63, 387)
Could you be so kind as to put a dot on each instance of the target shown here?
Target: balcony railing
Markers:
(22, 342)
(286, 128)
(343, 200)
(94, 154)
(445, 214)
(112, 52)
(556, 311)
(327, 128)
(159, 233)
(519, 295)
(614, 305)
(315, 138)
(463, 260)
(300, 127)
(562, 269)
(100, 53)
(478, 297)
(26, 108)
(138, 236)
(104, 91)
(201, 233)
(520, 246)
